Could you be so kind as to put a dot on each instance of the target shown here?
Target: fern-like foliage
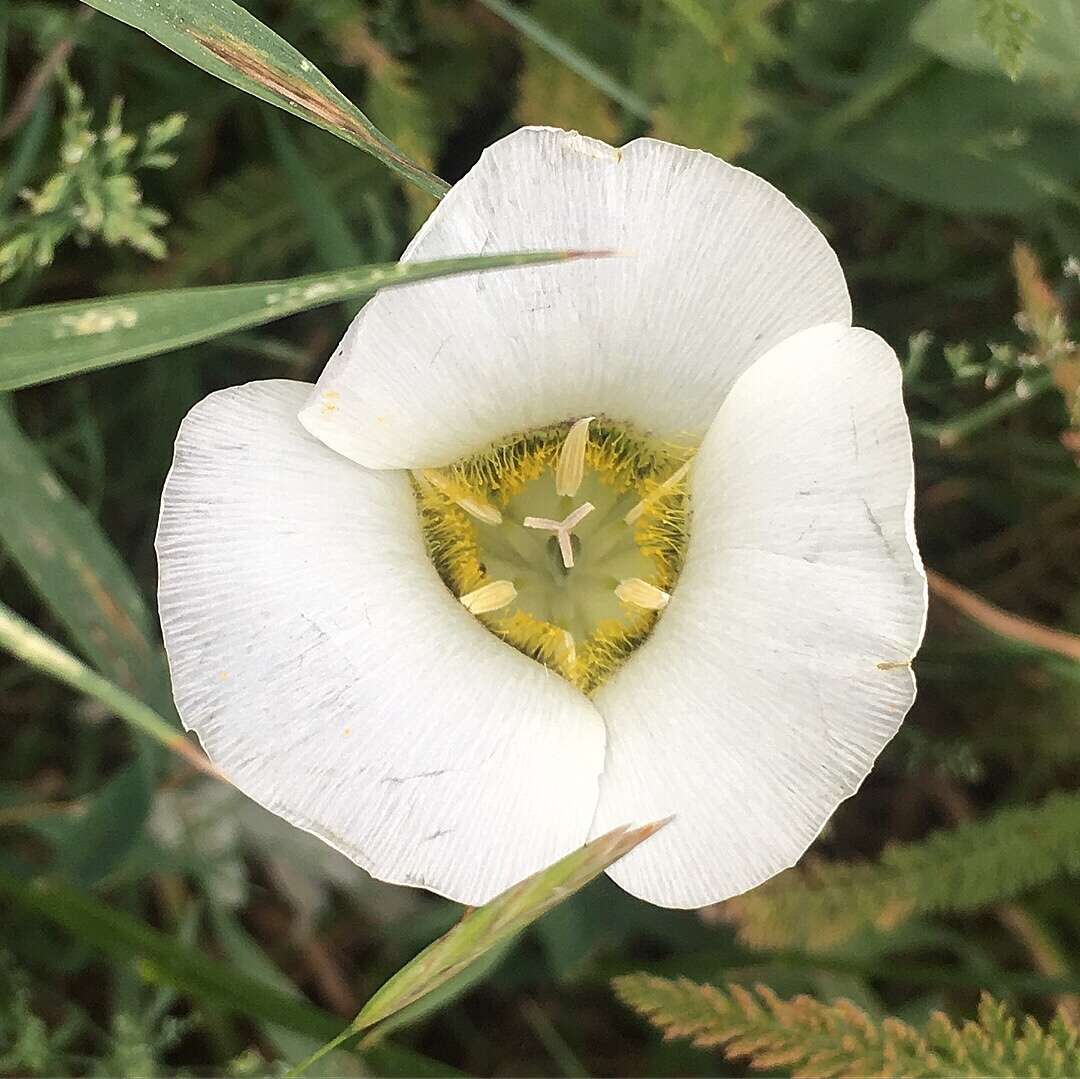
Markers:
(395, 102)
(248, 223)
(705, 68)
(28, 1045)
(1006, 26)
(547, 87)
(809, 1038)
(965, 868)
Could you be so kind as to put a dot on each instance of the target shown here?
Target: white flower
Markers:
(355, 578)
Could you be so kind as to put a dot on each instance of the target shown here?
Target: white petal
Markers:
(719, 266)
(780, 668)
(334, 678)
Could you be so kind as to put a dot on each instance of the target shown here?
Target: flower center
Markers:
(566, 541)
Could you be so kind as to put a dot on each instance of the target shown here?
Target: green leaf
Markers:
(226, 40)
(38, 344)
(973, 144)
(71, 564)
(161, 959)
(489, 927)
(1037, 41)
(1005, 25)
(98, 842)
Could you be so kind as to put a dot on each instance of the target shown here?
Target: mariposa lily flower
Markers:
(554, 549)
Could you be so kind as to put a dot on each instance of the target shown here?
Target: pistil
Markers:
(562, 529)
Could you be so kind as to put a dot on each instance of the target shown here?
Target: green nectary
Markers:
(565, 541)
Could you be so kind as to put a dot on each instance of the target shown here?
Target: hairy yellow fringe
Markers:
(625, 460)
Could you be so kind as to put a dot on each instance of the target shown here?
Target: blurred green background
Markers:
(153, 921)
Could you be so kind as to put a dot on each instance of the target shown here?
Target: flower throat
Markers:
(566, 542)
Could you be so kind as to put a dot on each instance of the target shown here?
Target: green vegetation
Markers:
(158, 182)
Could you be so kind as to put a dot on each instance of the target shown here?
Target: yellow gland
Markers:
(566, 542)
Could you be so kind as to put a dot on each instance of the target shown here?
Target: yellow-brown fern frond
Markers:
(841, 1041)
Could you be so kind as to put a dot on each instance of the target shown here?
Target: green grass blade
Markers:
(28, 644)
(568, 55)
(161, 959)
(489, 927)
(39, 344)
(227, 41)
(442, 995)
(61, 550)
(504, 917)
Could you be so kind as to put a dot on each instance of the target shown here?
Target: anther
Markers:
(489, 597)
(665, 488)
(562, 529)
(471, 504)
(569, 648)
(642, 594)
(570, 468)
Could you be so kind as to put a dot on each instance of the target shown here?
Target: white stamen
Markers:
(663, 489)
(562, 529)
(471, 504)
(570, 469)
(489, 597)
(642, 594)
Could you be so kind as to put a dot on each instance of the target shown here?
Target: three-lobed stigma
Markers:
(566, 541)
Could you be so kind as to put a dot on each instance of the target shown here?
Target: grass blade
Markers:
(568, 55)
(39, 344)
(227, 41)
(62, 551)
(32, 647)
(504, 917)
(488, 927)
